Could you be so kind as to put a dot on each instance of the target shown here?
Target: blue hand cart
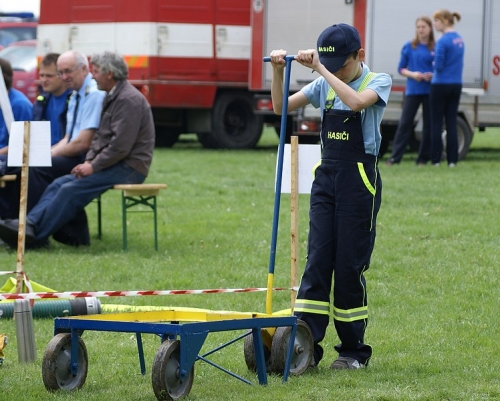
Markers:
(272, 343)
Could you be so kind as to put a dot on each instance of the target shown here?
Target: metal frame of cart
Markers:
(65, 363)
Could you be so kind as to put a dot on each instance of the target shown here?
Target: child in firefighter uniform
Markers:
(346, 192)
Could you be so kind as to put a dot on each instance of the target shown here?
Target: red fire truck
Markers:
(16, 27)
(199, 62)
(190, 59)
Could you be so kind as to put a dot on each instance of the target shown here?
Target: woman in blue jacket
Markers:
(415, 63)
(446, 86)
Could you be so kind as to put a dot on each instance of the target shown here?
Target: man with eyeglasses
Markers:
(84, 109)
(83, 116)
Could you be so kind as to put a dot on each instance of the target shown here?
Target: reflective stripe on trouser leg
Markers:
(350, 315)
(310, 306)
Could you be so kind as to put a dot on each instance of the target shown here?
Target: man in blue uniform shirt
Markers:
(52, 102)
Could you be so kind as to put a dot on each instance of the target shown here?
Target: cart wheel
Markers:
(56, 364)
(249, 352)
(303, 349)
(165, 373)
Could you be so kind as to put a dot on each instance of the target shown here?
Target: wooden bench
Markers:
(5, 178)
(134, 195)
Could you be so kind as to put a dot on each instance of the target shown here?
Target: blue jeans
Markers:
(68, 195)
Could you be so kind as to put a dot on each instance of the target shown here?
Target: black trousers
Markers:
(405, 128)
(345, 199)
(39, 179)
(445, 99)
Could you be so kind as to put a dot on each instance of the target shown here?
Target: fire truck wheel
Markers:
(235, 126)
(207, 140)
(289, 129)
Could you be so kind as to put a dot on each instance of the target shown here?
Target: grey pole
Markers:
(26, 349)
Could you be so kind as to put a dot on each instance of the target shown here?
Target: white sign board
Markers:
(39, 144)
(309, 156)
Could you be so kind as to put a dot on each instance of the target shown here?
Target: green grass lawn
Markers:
(433, 284)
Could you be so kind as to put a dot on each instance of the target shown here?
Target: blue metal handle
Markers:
(268, 59)
(279, 174)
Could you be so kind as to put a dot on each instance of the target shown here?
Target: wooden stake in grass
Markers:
(22, 208)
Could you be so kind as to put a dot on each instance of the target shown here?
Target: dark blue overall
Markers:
(345, 199)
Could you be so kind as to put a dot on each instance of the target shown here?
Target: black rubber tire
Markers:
(303, 350)
(387, 132)
(207, 140)
(249, 352)
(289, 129)
(165, 373)
(56, 372)
(234, 124)
(465, 136)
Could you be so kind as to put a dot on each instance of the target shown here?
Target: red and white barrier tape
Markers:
(101, 294)
(25, 279)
